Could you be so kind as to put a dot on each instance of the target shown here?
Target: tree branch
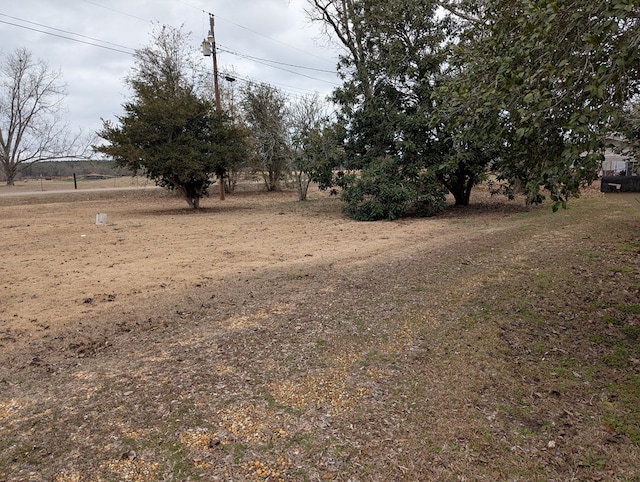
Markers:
(453, 9)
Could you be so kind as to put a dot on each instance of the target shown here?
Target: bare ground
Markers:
(266, 339)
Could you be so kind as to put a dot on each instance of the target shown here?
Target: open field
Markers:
(266, 339)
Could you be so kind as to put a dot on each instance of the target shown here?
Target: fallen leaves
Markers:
(252, 424)
(134, 469)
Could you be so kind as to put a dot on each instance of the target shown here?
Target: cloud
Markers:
(105, 34)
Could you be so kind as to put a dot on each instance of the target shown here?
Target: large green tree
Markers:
(525, 90)
(169, 130)
(391, 65)
(541, 84)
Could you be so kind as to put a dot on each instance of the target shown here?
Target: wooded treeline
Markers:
(69, 168)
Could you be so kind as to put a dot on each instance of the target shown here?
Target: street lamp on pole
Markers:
(209, 49)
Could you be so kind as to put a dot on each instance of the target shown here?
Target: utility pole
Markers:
(216, 87)
(209, 48)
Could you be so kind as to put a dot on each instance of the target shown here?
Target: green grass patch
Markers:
(596, 305)
(623, 270)
(623, 414)
(630, 309)
(602, 340)
(631, 331)
(544, 280)
(589, 256)
(536, 213)
(595, 461)
(619, 357)
(611, 320)
(630, 247)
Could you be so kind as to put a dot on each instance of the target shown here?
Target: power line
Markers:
(237, 54)
(251, 57)
(281, 68)
(273, 40)
(63, 31)
(117, 11)
(250, 80)
(105, 46)
(255, 32)
(130, 51)
(66, 38)
(118, 46)
(289, 94)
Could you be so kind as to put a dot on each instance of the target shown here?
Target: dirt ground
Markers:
(62, 266)
(261, 338)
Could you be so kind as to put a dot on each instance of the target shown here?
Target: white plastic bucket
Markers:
(101, 219)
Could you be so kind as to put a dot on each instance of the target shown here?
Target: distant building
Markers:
(615, 164)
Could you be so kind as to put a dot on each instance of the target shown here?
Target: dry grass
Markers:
(492, 343)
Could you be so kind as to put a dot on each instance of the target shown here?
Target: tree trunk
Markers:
(462, 197)
(302, 182)
(271, 180)
(10, 173)
(460, 186)
(192, 201)
(220, 188)
(232, 180)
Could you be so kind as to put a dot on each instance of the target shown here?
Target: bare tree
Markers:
(265, 112)
(31, 126)
(345, 24)
(314, 148)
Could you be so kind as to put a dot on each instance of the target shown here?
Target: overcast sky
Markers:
(106, 32)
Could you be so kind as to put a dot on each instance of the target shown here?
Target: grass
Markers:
(523, 365)
(626, 422)
(559, 351)
(631, 247)
(633, 309)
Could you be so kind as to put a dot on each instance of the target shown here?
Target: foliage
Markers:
(631, 131)
(168, 131)
(550, 80)
(265, 112)
(237, 164)
(31, 127)
(314, 144)
(463, 122)
(384, 192)
(464, 165)
(524, 90)
(394, 53)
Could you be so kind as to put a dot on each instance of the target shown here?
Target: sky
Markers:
(91, 43)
